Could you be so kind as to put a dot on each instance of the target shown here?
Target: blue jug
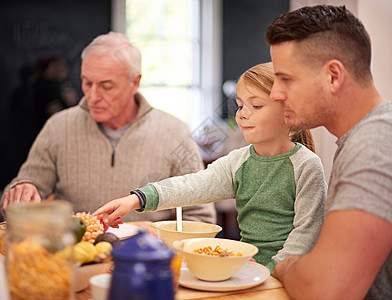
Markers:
(142, 269)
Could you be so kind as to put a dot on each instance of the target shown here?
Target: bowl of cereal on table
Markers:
(167, 231)
(215, 259)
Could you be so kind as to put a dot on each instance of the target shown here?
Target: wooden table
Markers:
(271, 289)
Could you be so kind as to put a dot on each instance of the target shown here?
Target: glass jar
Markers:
(40, 239)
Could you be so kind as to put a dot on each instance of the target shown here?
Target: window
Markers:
(180, 53)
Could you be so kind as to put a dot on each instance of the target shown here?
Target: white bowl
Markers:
(167, 232)
(215, 267)
(100, 285)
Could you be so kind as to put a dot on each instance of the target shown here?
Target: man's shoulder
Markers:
(368, 143)
(375, 128)
(380, 116)
(382, 111)
(73, 117)
(166, 120)
(71, 112)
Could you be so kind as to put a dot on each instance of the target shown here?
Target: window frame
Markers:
(210, 57)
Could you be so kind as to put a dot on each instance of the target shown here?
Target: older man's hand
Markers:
(23, 192)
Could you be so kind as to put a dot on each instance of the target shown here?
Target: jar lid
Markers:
(31, 216)
(142, 247)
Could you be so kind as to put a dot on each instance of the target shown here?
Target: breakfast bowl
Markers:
(224, 259)
(167, 231)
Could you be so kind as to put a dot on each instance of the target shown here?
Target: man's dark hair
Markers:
(325, 32)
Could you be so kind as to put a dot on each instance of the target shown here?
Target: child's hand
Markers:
(115, 209)
(114, 224)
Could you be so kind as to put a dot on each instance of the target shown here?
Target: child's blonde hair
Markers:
(262, 77)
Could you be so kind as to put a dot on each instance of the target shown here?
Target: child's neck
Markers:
(269, 149)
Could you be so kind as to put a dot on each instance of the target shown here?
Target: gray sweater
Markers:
(72, 158)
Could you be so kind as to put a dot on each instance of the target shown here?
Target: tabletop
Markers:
(271, 289)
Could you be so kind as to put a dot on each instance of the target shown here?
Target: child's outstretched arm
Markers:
(212, 184)
(117, 208)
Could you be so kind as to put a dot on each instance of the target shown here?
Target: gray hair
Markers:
(117, 46)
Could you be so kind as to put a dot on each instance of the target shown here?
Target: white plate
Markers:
(250, 275)
(124, 231)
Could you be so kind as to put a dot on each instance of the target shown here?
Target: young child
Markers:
(278, 183)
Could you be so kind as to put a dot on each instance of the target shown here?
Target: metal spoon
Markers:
(179, 218)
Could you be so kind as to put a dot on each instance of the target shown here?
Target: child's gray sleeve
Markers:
(209, 185)
(311, 193)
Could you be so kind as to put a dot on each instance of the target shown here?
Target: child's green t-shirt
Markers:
(280, 199)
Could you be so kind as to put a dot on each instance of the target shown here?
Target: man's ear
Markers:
(336, 73)
(136, 81)
(137, 78)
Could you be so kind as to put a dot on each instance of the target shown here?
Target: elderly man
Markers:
(112, 142)
(321, 57)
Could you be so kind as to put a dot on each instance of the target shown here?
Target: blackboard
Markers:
(30, 30)
(244, 25)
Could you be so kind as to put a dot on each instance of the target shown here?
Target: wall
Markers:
(244, 25)
(30, 30)
(376, 16)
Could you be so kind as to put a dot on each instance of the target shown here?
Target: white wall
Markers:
(350, 4)
(376, 16)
